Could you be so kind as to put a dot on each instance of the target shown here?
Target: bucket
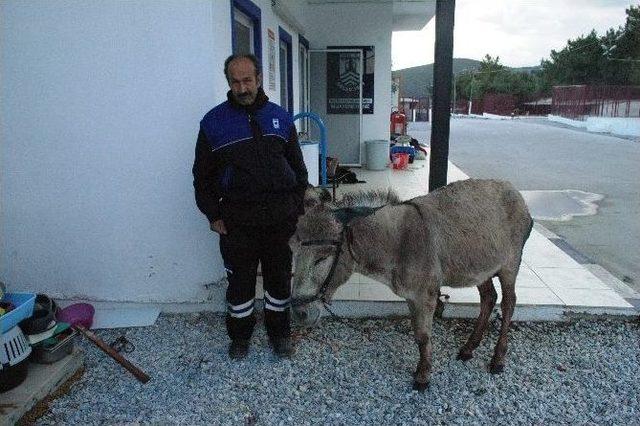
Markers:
(377, 154)
(14, 354)
(400, 161)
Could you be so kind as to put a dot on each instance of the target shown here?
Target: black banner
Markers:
(343, 77)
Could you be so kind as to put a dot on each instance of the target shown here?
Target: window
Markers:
(286, 71)
(284, 74)
(246, 28)
(243, 33)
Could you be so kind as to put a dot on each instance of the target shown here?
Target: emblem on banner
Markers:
(349, 72)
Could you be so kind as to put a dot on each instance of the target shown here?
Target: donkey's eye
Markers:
(322, 259)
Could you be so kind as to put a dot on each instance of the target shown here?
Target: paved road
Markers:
(536, 155)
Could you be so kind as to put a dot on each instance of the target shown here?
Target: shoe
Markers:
(238, 349)
(283, 347)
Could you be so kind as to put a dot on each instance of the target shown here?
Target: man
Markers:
(249, 180)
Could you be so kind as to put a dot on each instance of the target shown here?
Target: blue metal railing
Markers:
(323, 142)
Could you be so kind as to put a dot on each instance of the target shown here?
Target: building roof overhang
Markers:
(408, 15)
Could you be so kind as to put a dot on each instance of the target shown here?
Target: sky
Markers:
(521, 32)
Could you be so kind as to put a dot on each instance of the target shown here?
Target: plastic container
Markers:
(377, 154)
(400, 161)
(14, 353)
(43, 313)
(400, 149)
(23, 303)
(48, 354)
(11, 377)
(77, 314)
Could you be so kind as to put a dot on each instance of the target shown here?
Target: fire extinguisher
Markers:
(398, 123)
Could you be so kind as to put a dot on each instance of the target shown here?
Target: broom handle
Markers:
(140, 375)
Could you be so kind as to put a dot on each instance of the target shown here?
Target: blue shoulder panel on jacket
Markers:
(275, 121)
(225, 125)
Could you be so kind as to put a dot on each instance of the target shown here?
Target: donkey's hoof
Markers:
(465, 356)
(496, 368)
(420, 387)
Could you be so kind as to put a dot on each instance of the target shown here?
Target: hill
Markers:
(416, 81)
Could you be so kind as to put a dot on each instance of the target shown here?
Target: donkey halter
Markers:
(301, 301)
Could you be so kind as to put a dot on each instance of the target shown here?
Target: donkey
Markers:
(460, 235)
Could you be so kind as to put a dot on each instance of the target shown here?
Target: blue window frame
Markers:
(286, 74)
(251, 11)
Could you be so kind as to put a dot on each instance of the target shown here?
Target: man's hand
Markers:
(218, 226)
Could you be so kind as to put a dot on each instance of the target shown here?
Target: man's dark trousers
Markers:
(242, 248)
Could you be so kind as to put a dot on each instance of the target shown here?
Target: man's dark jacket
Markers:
(248, 167)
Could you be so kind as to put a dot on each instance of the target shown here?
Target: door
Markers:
(335, 94)
(303, 89)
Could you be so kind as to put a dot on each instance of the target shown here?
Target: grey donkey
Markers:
(460, 235)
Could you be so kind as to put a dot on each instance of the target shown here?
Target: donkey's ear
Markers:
(314, 196)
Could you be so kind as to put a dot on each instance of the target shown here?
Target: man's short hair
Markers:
(252, 58)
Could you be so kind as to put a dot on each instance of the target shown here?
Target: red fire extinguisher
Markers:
(398, 123)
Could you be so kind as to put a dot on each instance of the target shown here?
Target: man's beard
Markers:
(245, 98)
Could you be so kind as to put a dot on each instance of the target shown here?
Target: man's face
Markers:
(243, 81)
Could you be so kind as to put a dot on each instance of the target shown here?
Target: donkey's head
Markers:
(321, 264)
(322, 247)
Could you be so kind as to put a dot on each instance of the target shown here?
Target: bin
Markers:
(377, 154)
(311, 156)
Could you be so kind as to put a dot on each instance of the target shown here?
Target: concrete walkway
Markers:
(552, 282)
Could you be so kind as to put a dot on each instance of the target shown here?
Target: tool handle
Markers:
(140, 375)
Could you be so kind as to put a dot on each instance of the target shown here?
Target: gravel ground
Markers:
(586, 371)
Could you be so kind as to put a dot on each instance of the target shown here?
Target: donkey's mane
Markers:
(373, 199)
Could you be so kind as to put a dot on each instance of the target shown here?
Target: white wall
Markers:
(358, 25)
(101, 103)
(100, 109)
(271, 21)
(615, 125)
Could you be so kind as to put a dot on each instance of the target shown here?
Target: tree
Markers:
(493, 77)
(613, 58)
(582, 61)
(623, 50)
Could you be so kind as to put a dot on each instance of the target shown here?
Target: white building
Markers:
(101, 103)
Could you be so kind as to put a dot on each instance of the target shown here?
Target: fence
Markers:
(415, 109)
(499, 104)
(579, 102)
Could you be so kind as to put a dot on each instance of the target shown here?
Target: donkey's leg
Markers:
(422, 309)
(508, 285)
(488, 297)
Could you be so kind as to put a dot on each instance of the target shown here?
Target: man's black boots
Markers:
(282, 347)
(238, 349)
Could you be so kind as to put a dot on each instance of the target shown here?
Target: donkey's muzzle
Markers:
(307, 315)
